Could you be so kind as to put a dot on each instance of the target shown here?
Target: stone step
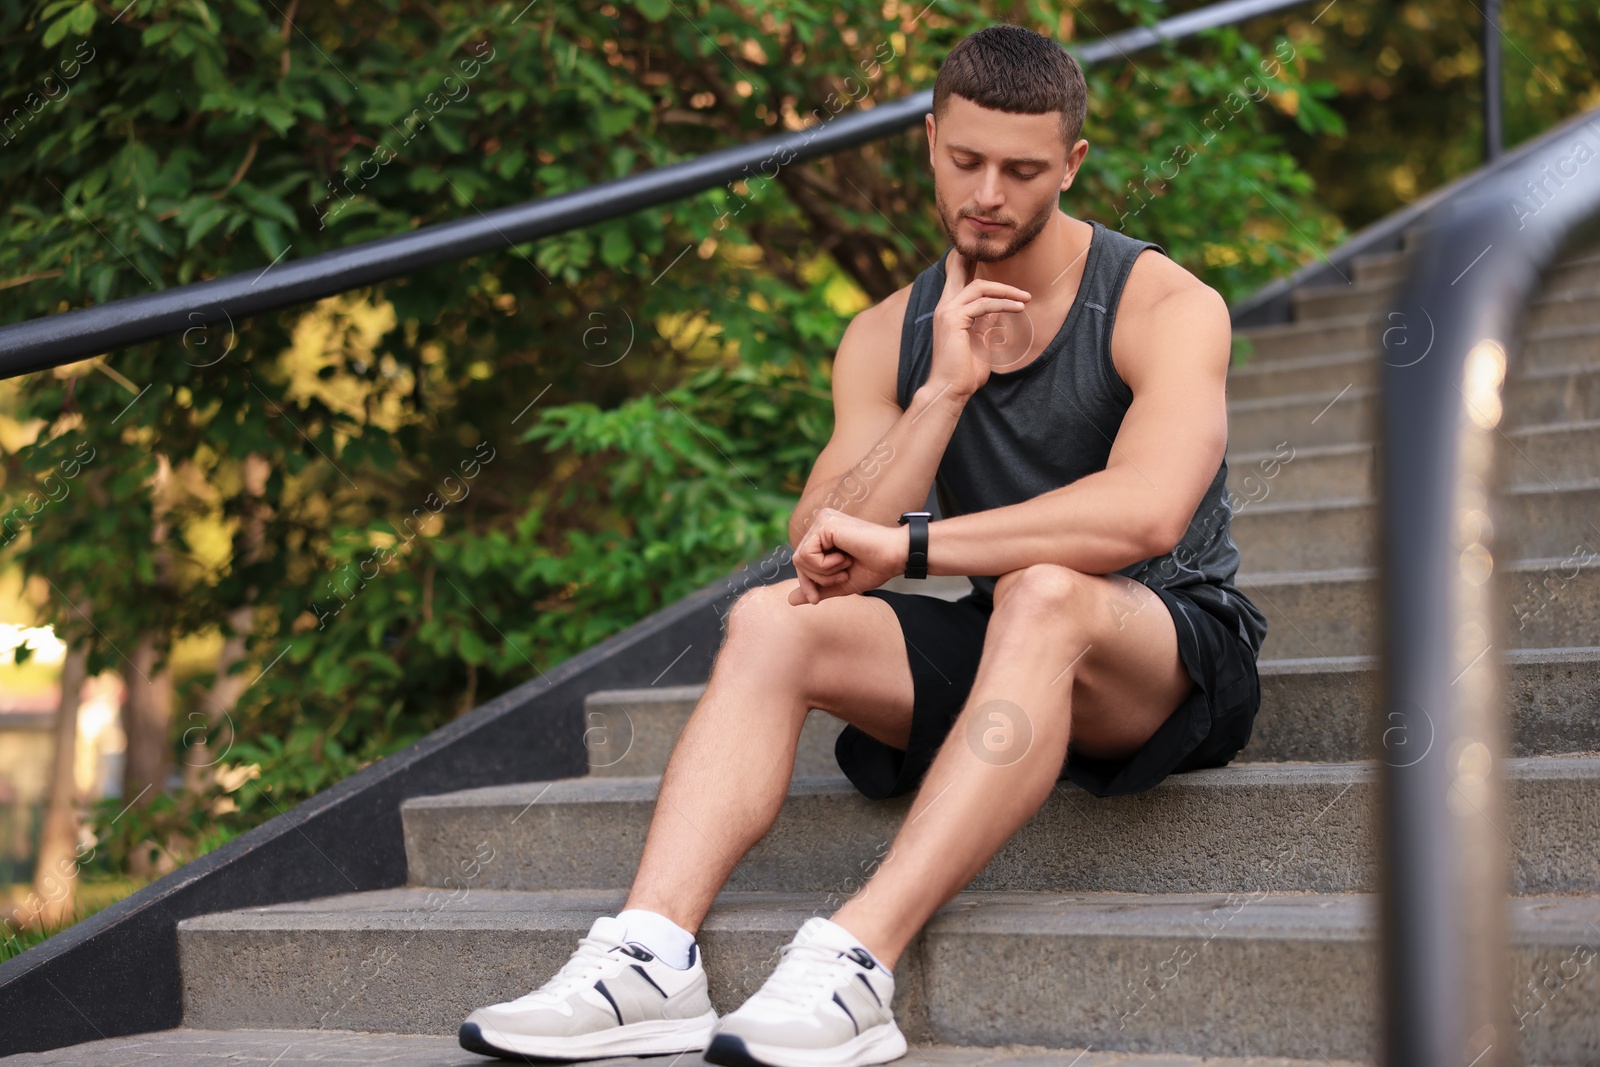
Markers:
(1292, 340)
(1192, 973)
(1330, 372)
(1379, 267)
(1302, 420)
(1565, 346)
(1318, 710)
(1562, 452)
(1277, 827)
(321, 1048)
(1325, 373)
(1533, 521)
(1570, 281)
(1311, 304)
(1552, 603)
(1550, 334)
(629, 733)
(1327, 709)
(1348, 414)
(1576, 303)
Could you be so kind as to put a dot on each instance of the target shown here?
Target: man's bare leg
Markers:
(1089, 655)
(730, 770)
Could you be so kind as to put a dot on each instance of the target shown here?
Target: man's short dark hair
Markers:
(1011, 68)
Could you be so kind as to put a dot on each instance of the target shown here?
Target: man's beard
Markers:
(984, 248)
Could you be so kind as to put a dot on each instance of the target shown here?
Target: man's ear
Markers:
(928, 125)
(1075, 159)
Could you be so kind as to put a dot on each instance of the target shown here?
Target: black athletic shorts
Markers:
(944, 640)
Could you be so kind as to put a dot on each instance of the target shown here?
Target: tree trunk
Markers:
(207, 739)
(55, 877)
(206, 743)
(147, 707)
(147, 722)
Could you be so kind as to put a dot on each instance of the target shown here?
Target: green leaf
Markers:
(473, 650)
(424, 180)
(58, 29)
(269, 237)
(208, 70)
(654, 10)
(509, 162)
(82, 18)
(203, 223)
(448, 136)
(263, 203)
(280, 118)
(614, 120)
(102, 280)
(151, 232)
(616, 249)
(157, 33)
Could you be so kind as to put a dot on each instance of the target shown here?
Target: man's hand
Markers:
(968, 305)
(842, 554)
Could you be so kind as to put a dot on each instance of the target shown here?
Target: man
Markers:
(1063, 387)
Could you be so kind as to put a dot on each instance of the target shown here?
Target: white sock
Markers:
(865, 949)
(875, 959)
(669, 941)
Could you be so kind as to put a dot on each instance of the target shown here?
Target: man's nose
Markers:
(990, 193)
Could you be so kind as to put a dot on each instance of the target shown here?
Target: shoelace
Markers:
(589, 960)
(803, 973)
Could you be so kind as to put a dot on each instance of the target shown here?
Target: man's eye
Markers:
(965, 166)
(1025, 177)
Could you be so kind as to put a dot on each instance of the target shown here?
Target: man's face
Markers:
(1000, 167)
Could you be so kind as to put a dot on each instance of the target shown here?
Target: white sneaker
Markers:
(611, 998)
(826, 1004)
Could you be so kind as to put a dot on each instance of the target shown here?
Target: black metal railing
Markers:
(1493, 136)
(1444, 889)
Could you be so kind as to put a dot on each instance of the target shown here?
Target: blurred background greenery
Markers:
(272, 552)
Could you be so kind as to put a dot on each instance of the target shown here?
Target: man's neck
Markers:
(1050, 259)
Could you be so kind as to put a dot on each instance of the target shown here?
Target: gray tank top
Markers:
(1052, 421)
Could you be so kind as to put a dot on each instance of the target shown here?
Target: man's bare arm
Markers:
(1162, 461)
(880, 460)
(893, 454)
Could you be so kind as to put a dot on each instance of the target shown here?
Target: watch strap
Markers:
(917, 558)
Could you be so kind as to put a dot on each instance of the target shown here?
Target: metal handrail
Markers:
(1493, 126)
(69, 336)
(1449, 338)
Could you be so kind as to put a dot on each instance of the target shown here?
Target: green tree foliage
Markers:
(474, 471)
(1410, 91)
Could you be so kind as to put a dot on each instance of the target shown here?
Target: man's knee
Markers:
(1044, 592)
(1044, 584)
(763, 633)
(764, 612)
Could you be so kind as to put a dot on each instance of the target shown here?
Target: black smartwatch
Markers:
(917, 560)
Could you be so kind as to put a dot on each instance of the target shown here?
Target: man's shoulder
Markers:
(1155, 278)
(1158, 295)
(868, 360)
(880, 324)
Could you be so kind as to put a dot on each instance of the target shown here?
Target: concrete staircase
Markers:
(1227, 913)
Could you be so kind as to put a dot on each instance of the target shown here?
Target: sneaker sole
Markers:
(878, 1045)
(651, 1037)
